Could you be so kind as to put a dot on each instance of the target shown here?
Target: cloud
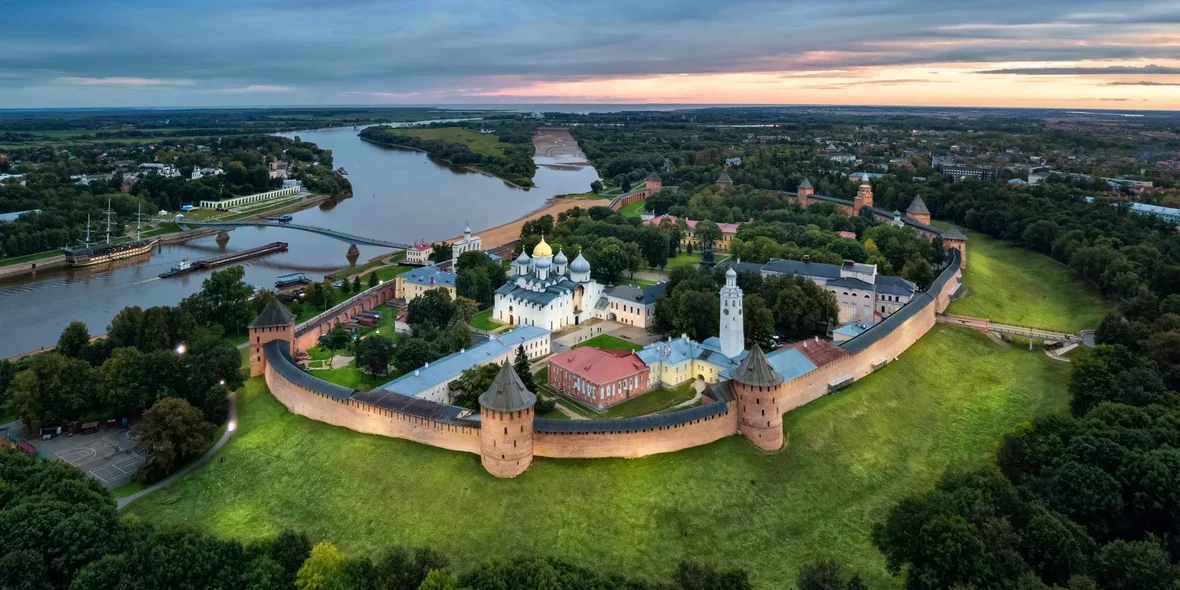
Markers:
(1143, 83)
(257, 88)
(120, 81)
(1087, 71)
(868, 83)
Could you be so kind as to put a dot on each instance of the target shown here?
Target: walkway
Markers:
(984, 325)
(323, 231)
(231, 426)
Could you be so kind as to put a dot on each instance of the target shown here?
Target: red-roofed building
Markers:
(819, 352)
(419, 254)
(598, 378)
(728, 231)
(847, 234)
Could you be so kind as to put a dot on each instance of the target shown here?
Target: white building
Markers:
(419, 254)
(199, 173)
(165, 170)
(542, 291)
(468, 243)
(862, 294)
(733, 332)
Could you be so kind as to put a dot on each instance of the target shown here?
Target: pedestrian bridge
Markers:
(353, 239)
(984, 325)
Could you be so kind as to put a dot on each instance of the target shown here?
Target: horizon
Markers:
(1092, 54)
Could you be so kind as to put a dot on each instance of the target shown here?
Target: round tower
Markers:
(760, 399)
(274, 323)
(506, 424)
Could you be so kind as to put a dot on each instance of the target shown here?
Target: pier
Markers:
(182, 267)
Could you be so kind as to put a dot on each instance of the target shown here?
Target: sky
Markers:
(1002, 53)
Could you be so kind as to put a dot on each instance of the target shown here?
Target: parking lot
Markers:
(108, 456)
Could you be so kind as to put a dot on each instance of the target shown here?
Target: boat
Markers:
(281, 218)
(295, 278)
(179, 268)
(90, 255)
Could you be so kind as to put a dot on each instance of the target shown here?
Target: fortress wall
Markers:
(624, 200)
(640, 443)
(813, 385)
(308, 334)
(370, 419)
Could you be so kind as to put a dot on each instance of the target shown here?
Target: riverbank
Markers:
(507, 232)
(470, 167)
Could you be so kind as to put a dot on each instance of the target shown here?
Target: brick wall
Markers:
(623, 388)
(308, 333)
(370, 419)
(639, 443)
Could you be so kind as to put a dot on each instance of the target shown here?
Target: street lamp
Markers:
(181, 349)
(222, 382)
(230, 426)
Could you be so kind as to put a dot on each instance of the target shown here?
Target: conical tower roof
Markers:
(274, 314)
(805, 184)
(917, 207)
(755, 370)
(507, 393)
(724, 178)
(653, 176)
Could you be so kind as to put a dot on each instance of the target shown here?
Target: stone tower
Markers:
(760, 400)
(864, 197)
(918, 211)
(506, 424)
(733, 333)
(804, 193)
(653, 184)
(723, 181)
(274, 323)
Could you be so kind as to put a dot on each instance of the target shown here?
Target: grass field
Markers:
(1012, 285)
(944, 405)
(633, 209)
(487, 144)
(684, 259)
(608, 342)
(353, 377)
(29, 257)
(483, 321)
(651, 402)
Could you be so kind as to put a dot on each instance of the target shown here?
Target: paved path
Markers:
(229, 431)
(989, 326)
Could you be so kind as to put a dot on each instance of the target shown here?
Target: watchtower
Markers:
(804, 193)
(864, 197)
(653, 184)
(760, 400)
(918, 211)
(274, 323)
(723, 181)
(506, 424)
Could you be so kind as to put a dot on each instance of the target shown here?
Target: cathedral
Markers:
(549, 291)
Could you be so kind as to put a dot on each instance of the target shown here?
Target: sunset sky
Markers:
(1054, 53)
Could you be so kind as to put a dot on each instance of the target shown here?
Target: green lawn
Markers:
(388, 273)
(353, 377)
(851, 456)
(29, 257)
(1013, 285)
(683, 259)
(651, 402)
(633, 209)
(483, 321)
(487, 144)
(608, 342)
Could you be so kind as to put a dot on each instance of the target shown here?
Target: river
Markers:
(398, 195)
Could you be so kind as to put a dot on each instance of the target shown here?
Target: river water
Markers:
(398, 195)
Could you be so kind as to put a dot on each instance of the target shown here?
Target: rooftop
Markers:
(507, 393)
(429, 275)
(599, 366)
(274, 314)
(450, 366)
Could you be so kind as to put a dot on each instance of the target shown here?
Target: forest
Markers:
(515, 166)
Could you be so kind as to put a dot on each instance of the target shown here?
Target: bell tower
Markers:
(733, 333)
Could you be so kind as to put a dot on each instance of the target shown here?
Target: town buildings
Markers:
(419, 254)
(962, 172)
(598, 378)
(165, 170)
(468, 243)
(728, 231)
(627, 304)
(411, 284)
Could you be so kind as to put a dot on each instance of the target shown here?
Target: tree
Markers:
(373, 353)
(122, 384)
(73, 340)
(264, 573)
(521, 364)
(608, 258)
(171, 432)
(337, 338)
(412, 353)
(1137, 565)
(432, 310)
(323, 569)
(707, 233)
(821, 575)
(918, 270)
(757, 321)
(356, 284)
(403, 569)
(596, 186)
(691, 575)
(52, 389)
(290, 549)
(456, 337)
(373, 280)
(441, 252)
(224, 299)
(125, 327)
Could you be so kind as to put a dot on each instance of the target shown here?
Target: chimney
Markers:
(415, 372)
(804, 344)
(817, 338)
(427, 365)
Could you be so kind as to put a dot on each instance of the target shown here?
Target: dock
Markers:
(232, 258)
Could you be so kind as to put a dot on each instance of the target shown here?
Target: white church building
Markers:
(549, 292)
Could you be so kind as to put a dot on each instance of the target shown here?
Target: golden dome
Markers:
(542, 250)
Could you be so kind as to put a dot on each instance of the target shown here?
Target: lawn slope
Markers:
(945, 404)
(1013, 285)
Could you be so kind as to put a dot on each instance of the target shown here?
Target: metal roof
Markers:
(917, 207)
(851, 283)
(274, 314)
(801, 267)
(895, 285)
(450, 366)
(805, 184)
(756, 370)
(278, 357)
(630, 424)
(421, 408)
(507, 393)
(429, 275)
